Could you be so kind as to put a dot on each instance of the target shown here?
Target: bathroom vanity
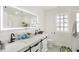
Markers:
(15, 18)
(37, 43)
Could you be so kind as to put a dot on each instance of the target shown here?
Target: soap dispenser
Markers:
(36, 32)
(1, 45)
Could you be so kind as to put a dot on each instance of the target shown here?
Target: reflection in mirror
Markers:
(15, 18)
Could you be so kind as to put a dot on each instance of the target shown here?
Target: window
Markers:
(34, 21)
(77, 19)
(62, 23)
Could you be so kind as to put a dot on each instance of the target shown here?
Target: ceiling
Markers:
(48, 7)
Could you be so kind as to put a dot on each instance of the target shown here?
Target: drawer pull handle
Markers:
(37, 50)
(28, 49)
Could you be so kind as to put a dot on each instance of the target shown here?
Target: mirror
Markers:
(15, 17)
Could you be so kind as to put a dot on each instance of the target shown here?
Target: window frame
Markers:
(77, 22)
(62, 18)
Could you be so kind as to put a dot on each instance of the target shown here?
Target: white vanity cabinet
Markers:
(36, 47)
(44, 45)
(40, 45)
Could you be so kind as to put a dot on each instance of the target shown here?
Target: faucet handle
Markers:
(12, 39)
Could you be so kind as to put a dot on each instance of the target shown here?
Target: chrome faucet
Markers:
(12, 38)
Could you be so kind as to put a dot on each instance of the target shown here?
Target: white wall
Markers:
(47, 21)
(5, 35)
(0, 17)
(61, 38)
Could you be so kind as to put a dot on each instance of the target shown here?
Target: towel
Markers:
(23, 36)
(74, 29)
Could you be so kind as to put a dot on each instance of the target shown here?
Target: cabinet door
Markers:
(44, 45)
(36, 48)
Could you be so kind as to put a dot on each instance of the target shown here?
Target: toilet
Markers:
(50, 43)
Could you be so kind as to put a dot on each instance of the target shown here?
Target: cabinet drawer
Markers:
(36, 48)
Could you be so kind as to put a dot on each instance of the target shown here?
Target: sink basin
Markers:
(15, 46)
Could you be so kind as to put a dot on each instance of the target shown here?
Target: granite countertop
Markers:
(20, 44)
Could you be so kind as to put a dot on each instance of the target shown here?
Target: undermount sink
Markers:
(15, 46)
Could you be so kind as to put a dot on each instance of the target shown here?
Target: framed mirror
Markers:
(17, 18)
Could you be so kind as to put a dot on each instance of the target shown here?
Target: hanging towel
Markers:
(74, 29)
